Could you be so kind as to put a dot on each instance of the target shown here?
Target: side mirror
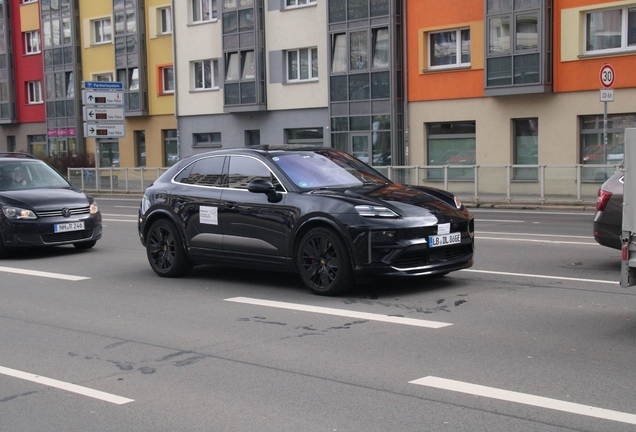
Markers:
(264, 186)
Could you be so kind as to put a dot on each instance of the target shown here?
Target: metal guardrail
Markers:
(571, 184)
(114, 180)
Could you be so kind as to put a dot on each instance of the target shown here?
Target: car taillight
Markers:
(602, 198)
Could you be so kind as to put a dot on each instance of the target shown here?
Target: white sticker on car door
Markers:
(209, 215)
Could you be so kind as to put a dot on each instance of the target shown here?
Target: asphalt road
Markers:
(537, 336)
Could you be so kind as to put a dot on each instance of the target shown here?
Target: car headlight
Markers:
(458, 203)
(93, 208)
(145, 204)
(375, 211)
(17, 213)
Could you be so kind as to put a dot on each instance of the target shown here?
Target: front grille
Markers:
(425, 257)
(66, 237)
(57, 213)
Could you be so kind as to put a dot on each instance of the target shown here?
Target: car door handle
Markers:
(231, 205)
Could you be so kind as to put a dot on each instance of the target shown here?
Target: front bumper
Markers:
(40, 232)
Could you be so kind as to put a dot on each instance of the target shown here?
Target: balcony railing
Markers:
(571, 184)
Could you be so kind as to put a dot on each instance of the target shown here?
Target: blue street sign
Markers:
(103, 85)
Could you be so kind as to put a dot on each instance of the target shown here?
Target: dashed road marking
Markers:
(73, 388)
(524, 398)
(43, 274)
(340, 312)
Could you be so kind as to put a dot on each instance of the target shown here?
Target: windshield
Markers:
(312, 169)
(29, 174)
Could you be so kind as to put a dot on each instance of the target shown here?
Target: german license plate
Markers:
(444, 239)
(71, 226)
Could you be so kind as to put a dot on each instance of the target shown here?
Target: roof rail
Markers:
(18, 155)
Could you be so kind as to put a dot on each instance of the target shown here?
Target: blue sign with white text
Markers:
(103, 85)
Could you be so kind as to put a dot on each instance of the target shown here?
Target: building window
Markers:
(514, 52)
(29, 1)
(526, 148)
(170, 147)
(165, 20)
(289, 4)
(209, 139)
(593, 148)
(34, 92)
(108, 152)
(451, 144)
(103, 77)
(203, 10)
(302, 64)
(129, 78)
(449, 48)
(205, 74)
(381, 48)
(37, 145)
(32, 42)
(312, 136)
(240, 74)
(140, 147)
(610, 30)
(252, 137)
(102, 32)
(167, 80)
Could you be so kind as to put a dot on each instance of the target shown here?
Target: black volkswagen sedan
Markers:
(40, 208)
(318, 212)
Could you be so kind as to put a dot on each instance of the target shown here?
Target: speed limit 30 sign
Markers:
(607, 76)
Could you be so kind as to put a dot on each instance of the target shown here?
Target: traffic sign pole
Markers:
(607, 77)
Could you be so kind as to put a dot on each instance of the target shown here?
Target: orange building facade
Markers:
(517, 82)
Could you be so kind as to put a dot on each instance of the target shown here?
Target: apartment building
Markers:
(290, 71)
(517, 82)
(22, 109)
(131, 42)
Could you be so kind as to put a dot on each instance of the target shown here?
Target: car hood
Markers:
(408, 201)
(45, 199)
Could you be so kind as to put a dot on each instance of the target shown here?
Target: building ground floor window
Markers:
(526, 148)
(108, 153)
(452, 144)
(170, 147)
(59, 146)
(368, 138)
(37, 145)
(594, 149)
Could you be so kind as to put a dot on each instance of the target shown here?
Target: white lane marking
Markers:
(119, 215)
(535, 235)
(43, 274)
(526, 399)
(541, 276)
(120, 220)
(340, 312)
(85, 391)
(536, 241)
(498, 220)
(535, 212)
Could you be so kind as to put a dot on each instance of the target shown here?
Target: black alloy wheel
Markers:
(323, 262)
(165, 250)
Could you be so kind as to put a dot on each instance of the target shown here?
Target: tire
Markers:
(165, 251)
(85, 245)
(3, 249)
(323, 262)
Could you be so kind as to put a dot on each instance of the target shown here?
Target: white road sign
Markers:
(104, 130)
(607, 75)
(103, 114)
(101, 97)
(607, 95)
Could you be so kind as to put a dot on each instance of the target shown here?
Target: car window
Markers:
(204, 172)
(30, 174)
(244, 169)
(313, 170)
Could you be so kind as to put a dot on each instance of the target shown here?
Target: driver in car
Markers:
(19, 179)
